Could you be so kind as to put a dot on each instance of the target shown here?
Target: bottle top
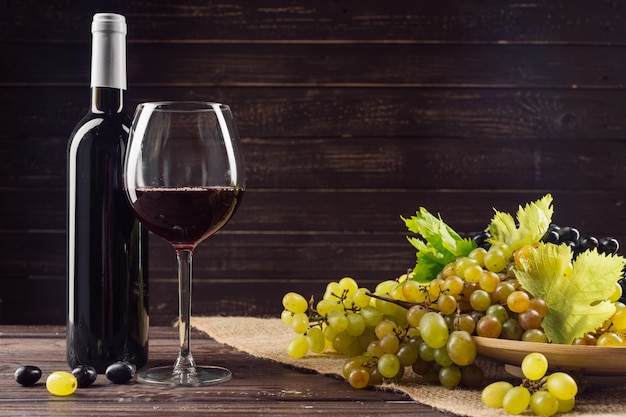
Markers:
(108, 55)
(108, 22)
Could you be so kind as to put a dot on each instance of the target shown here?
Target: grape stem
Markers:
(534, 386)
(401, 303)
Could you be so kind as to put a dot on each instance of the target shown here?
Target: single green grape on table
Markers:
(61, 383)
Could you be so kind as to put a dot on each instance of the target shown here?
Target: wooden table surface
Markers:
(258, 387)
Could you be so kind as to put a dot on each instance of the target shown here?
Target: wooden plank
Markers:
(330, 212)
(226, 408)
(258, 387)
(354, 163)
(278, 254)
(279, 20)
(336, 65)
(497, 114)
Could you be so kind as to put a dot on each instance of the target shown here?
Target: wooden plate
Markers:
(590, 360)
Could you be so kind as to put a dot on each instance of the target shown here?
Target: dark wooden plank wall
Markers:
(353, 113)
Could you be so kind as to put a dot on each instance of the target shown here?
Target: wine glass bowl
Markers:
(184, 178)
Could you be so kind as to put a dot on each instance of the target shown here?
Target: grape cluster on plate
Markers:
(427, 328)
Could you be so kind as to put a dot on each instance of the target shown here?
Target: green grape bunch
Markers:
(380, 336)
(545, 394)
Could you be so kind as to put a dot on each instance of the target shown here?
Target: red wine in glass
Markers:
(185, 216)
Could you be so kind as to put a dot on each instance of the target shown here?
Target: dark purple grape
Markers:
(120, 372)
(481, 239)
(27, 375)
(608, 245)
(551, 236)
(587, 243)
(554, 226)
(622, 283)
(569, 234)
(85, 375)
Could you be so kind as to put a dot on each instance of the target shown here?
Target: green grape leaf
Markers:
(533, 220)
(439, 244)
(576, 292)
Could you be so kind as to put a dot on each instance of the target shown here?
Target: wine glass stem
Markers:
(185, 267)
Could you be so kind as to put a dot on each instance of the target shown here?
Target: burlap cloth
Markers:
(268, 338)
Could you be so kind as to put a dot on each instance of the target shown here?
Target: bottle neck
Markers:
(108, 54)
(106, 100)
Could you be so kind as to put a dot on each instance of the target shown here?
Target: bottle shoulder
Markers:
(112, 117)
(101, 125)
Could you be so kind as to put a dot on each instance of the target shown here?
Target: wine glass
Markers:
(184, 178)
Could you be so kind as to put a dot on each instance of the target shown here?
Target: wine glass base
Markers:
(168, 376)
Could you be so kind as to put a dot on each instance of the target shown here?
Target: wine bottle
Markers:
(107, 262)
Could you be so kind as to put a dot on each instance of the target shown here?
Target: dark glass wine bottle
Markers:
(107, 262)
